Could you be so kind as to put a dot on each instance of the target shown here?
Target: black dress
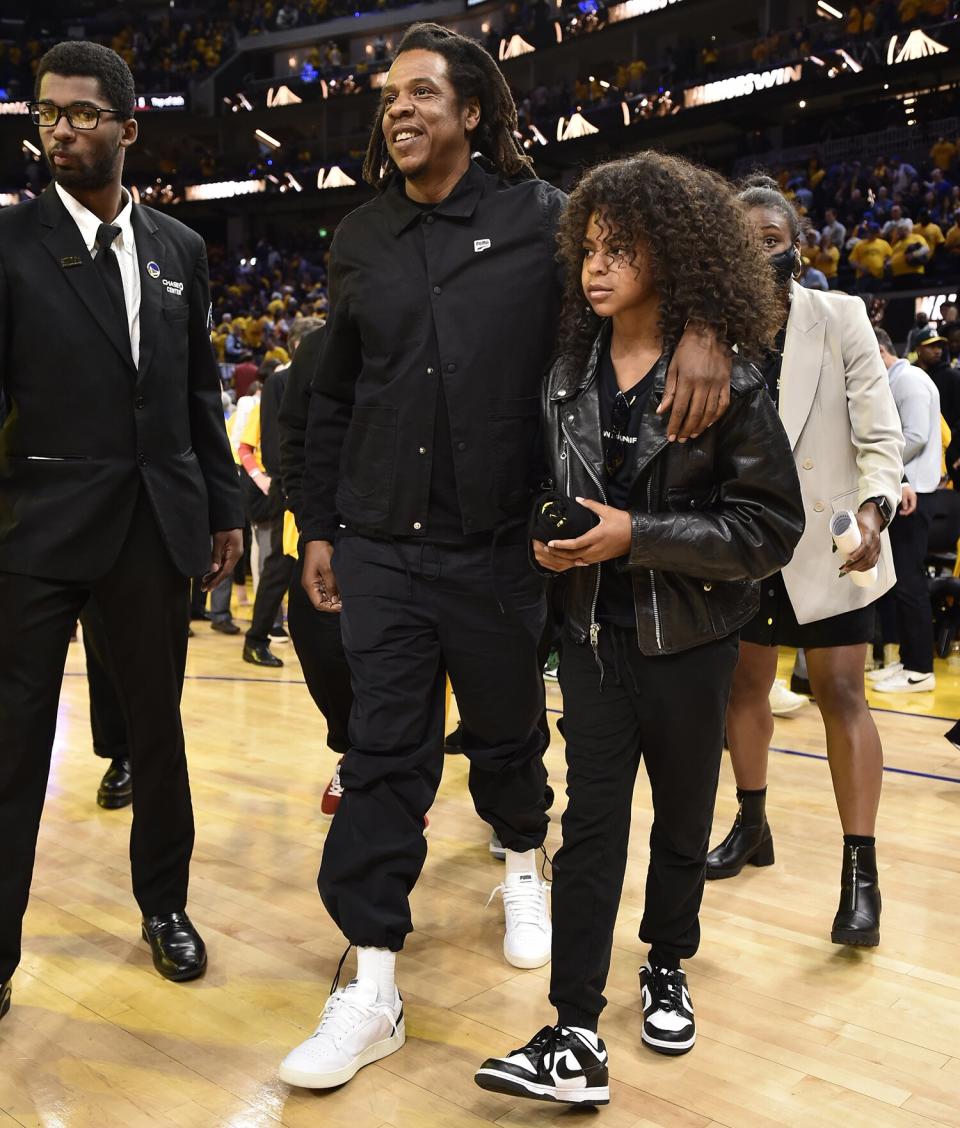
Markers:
(775, 623)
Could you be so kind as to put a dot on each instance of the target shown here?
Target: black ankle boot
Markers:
(858, 919)
(749, 841)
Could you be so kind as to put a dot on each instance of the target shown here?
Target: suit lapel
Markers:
(65, 244)
(150, 252)
(802, 360)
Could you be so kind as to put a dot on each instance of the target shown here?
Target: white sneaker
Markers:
(907, 681)
(355, 1029)
(884, 672)
(526, 942)
(783, 700)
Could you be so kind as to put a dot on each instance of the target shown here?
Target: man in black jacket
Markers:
(423, 451)
(115, 473)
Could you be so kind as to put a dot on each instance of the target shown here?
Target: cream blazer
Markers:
(842, 422)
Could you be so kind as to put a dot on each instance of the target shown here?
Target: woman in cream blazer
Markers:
(840, 417)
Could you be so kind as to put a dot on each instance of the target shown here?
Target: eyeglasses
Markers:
(615, 447)
(80, 115)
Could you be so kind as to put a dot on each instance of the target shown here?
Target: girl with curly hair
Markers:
(656, 589)
(830, 384)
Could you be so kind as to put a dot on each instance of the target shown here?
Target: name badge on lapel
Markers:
(71, 260)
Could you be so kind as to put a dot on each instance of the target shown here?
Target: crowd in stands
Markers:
(256, 295)
(884, 224)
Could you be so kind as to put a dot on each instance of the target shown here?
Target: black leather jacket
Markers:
(711, 517)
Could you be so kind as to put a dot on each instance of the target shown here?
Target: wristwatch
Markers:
(886, 513)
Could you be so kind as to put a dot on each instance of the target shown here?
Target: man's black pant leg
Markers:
(143, 602)
(490, 629)
(107, 723)
(38, 617)
(274, 582)
(317, 640)
(375, 848)
(908, 541)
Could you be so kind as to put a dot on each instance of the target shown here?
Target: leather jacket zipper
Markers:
(653, 581)
(594, 625)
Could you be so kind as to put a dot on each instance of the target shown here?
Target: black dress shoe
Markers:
(749, 841)
(858, 918)
(116, 787)
(225, 626)
(199, 616)
(178, 952)
(259, 654)
(4, 998)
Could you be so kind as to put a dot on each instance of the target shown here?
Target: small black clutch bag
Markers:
(558, 517)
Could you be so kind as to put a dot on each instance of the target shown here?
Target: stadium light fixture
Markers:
(30, 148)
(917, 46)
(282, 96)
(266, 139)
(577, 126)
(515, 47)
(334, 178)
(828, 11)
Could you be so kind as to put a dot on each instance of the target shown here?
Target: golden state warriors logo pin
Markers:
(153, 270)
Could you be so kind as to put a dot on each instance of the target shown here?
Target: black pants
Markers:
(905, 611)
(143, 602)
(317, 640)
(107, 723)
(272, 587)
(413, 614)
(670, 710)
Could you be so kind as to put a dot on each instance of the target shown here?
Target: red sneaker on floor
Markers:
(331, 796)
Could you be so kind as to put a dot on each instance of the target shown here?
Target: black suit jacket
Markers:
(82, 427)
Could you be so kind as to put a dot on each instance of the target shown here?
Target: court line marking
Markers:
(559, 712)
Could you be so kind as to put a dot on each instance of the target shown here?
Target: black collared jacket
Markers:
(468, 293)
(710, 517)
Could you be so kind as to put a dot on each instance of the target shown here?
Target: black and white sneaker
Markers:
(555, 1065)
(668, 1025)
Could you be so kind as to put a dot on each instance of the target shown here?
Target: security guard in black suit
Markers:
(116, 482)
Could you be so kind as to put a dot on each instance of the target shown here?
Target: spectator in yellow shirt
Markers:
(931, 232)
(951, 242)
(942, 153)
(854, 20)
(827, 259)
(909, 254)
(278, 353)
(256, 329)
(908, 11)
(871, 255)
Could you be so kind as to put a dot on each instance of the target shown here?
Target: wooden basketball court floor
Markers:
(792, 1030)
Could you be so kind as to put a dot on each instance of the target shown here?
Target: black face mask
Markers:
(784, 263)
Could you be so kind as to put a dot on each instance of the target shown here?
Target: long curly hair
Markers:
(688, 225)
(473, 74)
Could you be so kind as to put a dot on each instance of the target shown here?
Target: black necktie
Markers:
(109, 268)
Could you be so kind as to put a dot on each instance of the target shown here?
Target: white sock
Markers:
(379, 965)
(525, 862)
(589, 1036)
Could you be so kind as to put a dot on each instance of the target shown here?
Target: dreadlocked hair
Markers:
(687, 226)
(473, 73)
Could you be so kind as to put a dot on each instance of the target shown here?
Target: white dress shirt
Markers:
(125, 247)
